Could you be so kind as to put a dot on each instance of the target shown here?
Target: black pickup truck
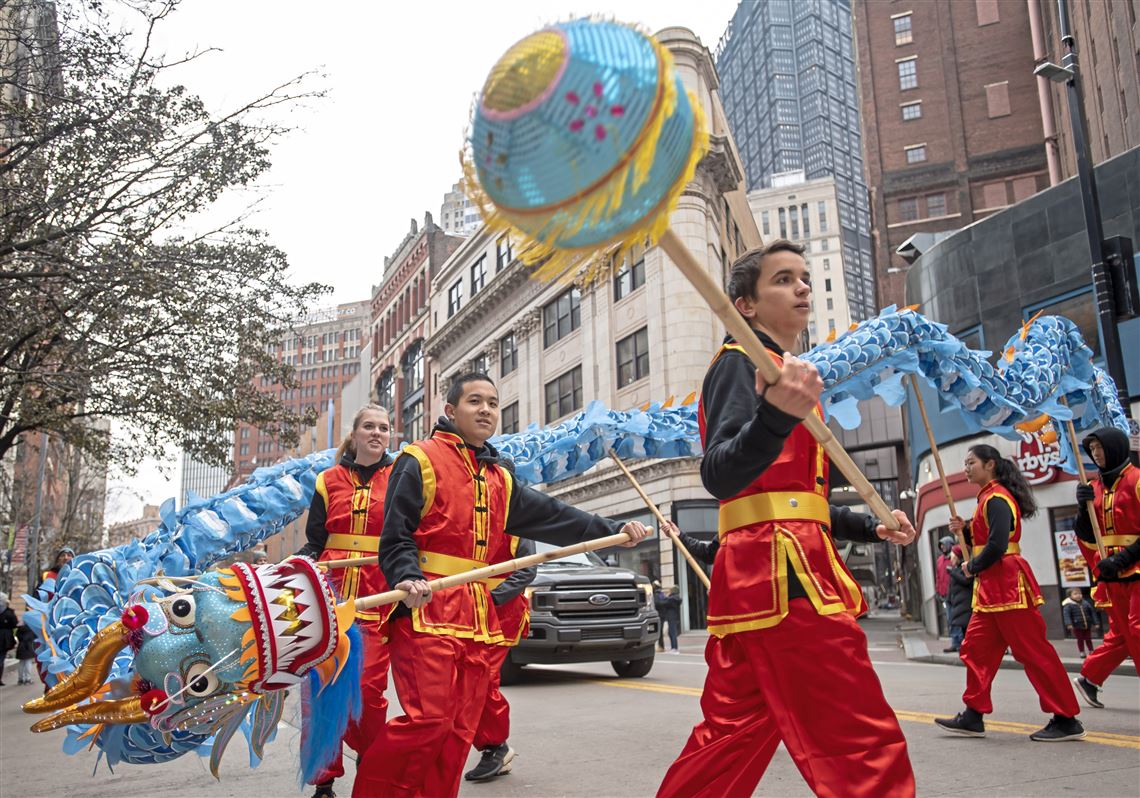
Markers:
(582, 610)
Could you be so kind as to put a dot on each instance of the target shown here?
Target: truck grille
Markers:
(571, 602)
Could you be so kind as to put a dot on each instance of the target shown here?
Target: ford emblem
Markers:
(599, 599)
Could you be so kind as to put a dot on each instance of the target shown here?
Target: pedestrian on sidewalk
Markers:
(26, 652)
(672, 617)
(942, 568)
(960, 599)
(787, 661)
(1006, 598)
(659, 597)
(8, 624)
(1079, 616)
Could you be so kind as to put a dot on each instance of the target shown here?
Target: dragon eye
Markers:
(180, 610)
(198, 682)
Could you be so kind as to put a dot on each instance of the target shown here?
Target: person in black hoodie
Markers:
(1115, 494)
(959, 599)
(26, 652)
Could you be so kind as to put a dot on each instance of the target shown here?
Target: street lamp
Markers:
(1068, 73)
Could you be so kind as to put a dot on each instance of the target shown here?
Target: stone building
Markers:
(136, 529)
(642, 334)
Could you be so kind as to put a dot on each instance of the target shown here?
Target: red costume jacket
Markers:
(780, 521)
(1118, 512)
(1008, 584)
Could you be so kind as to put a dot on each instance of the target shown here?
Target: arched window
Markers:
(386, 388)
(412, 401)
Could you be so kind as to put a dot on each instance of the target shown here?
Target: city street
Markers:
(580, 731)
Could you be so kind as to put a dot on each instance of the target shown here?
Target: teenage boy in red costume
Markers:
(787, 661)
(451, 507)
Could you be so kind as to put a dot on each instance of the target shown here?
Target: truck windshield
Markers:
(585, 558)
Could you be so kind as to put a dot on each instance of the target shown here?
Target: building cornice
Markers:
(610, 480)
(476, 320)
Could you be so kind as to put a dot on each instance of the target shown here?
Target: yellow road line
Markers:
(1002, 726)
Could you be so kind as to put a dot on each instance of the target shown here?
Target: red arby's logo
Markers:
(1038, 461)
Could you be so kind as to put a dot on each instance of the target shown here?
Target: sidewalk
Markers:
(921, 646)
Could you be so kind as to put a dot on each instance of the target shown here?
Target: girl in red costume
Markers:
(345, 519)
(1006, 597)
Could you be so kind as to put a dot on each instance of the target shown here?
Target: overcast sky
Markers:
(383, 146)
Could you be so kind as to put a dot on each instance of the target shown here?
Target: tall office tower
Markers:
(787, 72)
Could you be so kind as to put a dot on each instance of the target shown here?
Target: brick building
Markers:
(951, 120)
(401, 324)
(135, 529)
(324, 349)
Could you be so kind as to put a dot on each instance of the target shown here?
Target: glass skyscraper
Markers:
(787, 72)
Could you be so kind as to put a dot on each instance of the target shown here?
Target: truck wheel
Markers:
(511, 672)
(633, 668)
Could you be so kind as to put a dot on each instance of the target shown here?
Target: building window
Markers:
(478, 274)
(633, 358)
(935, 205)
(385, 387)
(908, 209)
(413, 421)
(916, 153)
(997, 99)
(994, 196)
(783, 222)
(827, 284)
(827, 264)
(504, 253)
(454, 298)
(630, 277)
(911, 110)
(764, 223)
(903, 32)
(987, 11)
(794, 213)
(509, 419)
(561, 317)
(807, 222)
(908, 73)
(830, 303)
(508, 355)
(564, 395)
(413, 363)
(479, 364)
(822, 208)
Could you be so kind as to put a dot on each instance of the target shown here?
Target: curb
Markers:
(917, 650)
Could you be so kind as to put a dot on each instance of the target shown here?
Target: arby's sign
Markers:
(1038, 462)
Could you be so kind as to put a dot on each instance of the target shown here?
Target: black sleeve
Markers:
(702, 550)
(1000, 519)
(743, 434)
(537, 516)
(1082, 526)
(849, 525)
(959, 577)
(1131, 552)
(315, 533)
(403, 503)
(518, 580)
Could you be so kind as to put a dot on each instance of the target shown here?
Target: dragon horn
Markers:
(89, 676)
(122, 710)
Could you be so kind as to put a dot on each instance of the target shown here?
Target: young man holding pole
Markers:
(452, 507)
(787, 661)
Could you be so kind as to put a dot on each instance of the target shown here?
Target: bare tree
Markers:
(108, 311)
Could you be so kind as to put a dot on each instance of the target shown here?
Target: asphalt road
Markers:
(581, 731)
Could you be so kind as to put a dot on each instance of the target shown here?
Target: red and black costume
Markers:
(450, 508)
(345, 519)
(787, 661)
(1006, 597)
(1116, 502)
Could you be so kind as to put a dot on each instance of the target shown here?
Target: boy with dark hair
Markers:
(452, 506)
(787, 661)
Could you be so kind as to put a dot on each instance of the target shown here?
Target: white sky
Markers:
(383, 146)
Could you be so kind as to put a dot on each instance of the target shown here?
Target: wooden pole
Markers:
(474, 575)
(938, 464)
(700, 572)
(373, 560)
(738, 328)
(1090, 506)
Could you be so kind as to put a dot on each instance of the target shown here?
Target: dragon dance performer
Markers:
(787, 660)
(344, 522)
(452, 506)
(1006, 597)
(1115, 494)
(513, 610)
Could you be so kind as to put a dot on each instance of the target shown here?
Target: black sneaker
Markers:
(1088, 691)
(967, 723)
(325, 790)
(1058, 730)
(496, 761)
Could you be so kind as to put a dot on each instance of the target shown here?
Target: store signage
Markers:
(1038, 462)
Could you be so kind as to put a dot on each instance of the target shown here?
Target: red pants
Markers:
(374, 681)
(1084, 639)
(495, 724)
(1125, 616)
(1105, 657)
(1023, 631)
(808, 682)
(442, 684)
